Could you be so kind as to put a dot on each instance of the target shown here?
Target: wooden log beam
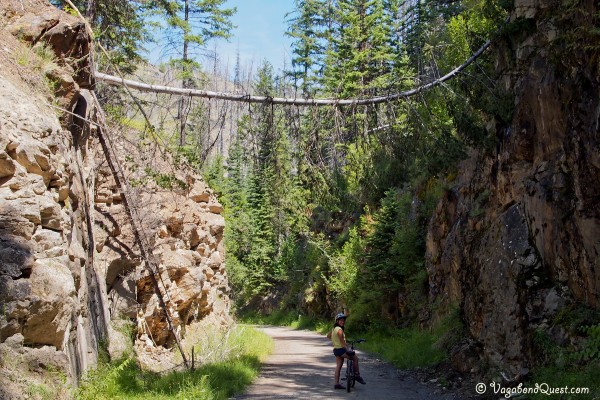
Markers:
(296, 101)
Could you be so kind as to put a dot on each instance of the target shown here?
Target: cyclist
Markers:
(341, 350)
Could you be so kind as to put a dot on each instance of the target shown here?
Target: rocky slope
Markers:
(70, 272)
(517, 241)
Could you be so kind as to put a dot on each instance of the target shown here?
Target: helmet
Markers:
(341, 316)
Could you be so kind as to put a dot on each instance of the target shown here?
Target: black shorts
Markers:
(342, 351)
(339, 352)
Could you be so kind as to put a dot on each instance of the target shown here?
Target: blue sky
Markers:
(259, 34)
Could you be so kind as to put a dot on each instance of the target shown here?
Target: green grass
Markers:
(287, 318)
(406, 348)
(220, 380)
(413, 346)
(570, 376)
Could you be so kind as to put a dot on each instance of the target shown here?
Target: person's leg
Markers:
(339, 361)
(356, 364)
(357, 371)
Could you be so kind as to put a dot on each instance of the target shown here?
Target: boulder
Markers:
(51, 303)
(7, 166)
(32, 154)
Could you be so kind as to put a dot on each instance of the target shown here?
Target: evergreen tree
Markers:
(190, 24)
(119, 26)
(360, 59)
(309, 28)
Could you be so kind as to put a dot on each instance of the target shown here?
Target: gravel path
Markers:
(302, 367)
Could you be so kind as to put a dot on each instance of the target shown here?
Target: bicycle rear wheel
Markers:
(349, 375)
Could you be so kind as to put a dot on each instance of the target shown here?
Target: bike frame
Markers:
(350, 374)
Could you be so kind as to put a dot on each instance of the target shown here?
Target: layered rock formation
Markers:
(69, 267)
(48, 286)
(187, 238)
(518, 238)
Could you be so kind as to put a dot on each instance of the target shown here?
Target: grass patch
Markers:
(406, 348)
(415, 347)
(218, 380)
(571, 377)
(287, 318)
(569, 366)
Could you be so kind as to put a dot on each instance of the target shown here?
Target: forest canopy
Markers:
(325, 207)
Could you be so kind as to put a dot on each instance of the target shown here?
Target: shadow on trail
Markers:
(302, 367)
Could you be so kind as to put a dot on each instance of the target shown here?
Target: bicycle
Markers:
(350, 374)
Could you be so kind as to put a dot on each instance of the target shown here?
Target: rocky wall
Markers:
(185, 228)
(518, 238)
(70, 271)
(49, 287)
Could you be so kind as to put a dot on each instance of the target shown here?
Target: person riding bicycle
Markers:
(341, 350)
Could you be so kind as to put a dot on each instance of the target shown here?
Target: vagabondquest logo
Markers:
(542, 388)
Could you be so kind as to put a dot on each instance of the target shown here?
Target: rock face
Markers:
(187, 241)
(517, 239)
(48, 287)
(70, 270)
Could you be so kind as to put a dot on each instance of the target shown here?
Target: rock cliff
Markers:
(517, 240)
(70, 272)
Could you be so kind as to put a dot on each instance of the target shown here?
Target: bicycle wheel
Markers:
(349, 374)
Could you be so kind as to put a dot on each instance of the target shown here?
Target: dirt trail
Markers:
(302, 366)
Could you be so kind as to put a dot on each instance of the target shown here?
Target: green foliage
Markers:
(119, 26)
(264, 201)
(359, 52)
(568, 376)
(39, 391)
(415, 347)
(123, 379)
(309, 31)
(591, 350)
(165, 181)
(578, 33)
(345, 266)
(573, 364)
(575, 316)
(189, 26)
(287, 318)
(41, 59)
(393, 252)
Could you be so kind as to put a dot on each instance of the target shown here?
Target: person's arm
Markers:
(342, 339)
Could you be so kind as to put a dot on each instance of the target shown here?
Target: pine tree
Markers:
(359, 60)
(119, 26)
(190, 24)
(309, 28)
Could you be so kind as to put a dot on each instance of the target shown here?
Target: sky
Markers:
(260, 33)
